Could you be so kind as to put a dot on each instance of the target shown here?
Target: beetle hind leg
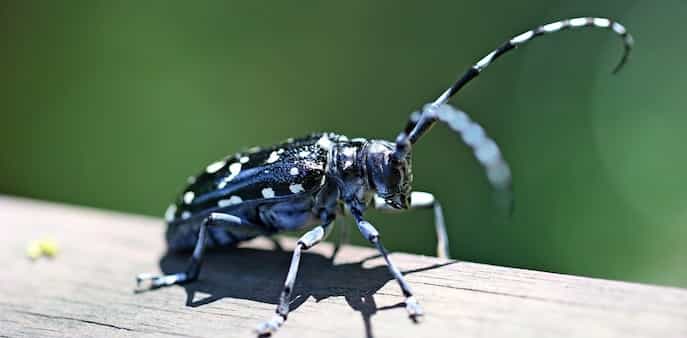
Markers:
(424, 200)
(193, 268)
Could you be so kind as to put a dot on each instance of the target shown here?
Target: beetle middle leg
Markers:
(193, 267)
(307, 241)
(342, 238)
(424, 200)
(372, 235)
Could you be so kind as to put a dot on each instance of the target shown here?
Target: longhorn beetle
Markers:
(308, 182)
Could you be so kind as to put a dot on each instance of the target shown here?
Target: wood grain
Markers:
(87, 290)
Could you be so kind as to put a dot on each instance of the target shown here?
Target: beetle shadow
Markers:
(258, 275)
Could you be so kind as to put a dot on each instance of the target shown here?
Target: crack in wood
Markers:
(85, 321)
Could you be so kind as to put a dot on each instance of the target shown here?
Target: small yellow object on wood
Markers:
(49, 247)
(42, 247)
(34, 251)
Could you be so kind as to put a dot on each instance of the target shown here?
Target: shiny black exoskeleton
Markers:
(289, 186)
(307, 183)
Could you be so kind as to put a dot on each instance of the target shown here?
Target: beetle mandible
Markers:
(308, 182)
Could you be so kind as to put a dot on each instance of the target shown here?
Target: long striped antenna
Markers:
(420, 123)
(530, 35)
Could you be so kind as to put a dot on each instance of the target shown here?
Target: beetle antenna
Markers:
(419, 124)
(525, 37)
(485, 149)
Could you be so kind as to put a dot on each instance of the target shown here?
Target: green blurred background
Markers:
(114, 104)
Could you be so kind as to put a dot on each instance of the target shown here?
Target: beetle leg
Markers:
(343, 236)
(193, 268)
(372, 235)
(308, 240)
(424, 200)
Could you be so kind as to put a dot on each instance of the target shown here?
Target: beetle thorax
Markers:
(367, 167)
(388, 176)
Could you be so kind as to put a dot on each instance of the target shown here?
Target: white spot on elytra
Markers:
(296, 188)
(214, 167)
(304, 153)
(347, 164)
(267, 193)
(244, 159)
(234, 170)
(169, 213)
(188, 197)
(325, 143)
(231, 201)
(280, 151)
(293, 171)
(185, 215)
(273, 157)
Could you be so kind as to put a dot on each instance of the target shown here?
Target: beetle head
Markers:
(389, 175)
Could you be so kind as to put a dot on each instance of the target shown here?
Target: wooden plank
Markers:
(87, 290)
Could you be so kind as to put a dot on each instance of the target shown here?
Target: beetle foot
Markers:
(269, 327)
(414, 309)
(149, 281)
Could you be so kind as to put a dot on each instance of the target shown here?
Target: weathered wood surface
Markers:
(87, 290)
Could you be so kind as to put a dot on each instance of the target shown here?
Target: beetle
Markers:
(306, 183)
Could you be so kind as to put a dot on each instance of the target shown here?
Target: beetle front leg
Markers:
(307, 241)
(193, 268)
(372, 235)
(424, 200)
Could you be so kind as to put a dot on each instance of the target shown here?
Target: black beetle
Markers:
(310, 181)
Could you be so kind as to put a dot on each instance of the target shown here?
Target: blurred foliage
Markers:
(114, 104)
